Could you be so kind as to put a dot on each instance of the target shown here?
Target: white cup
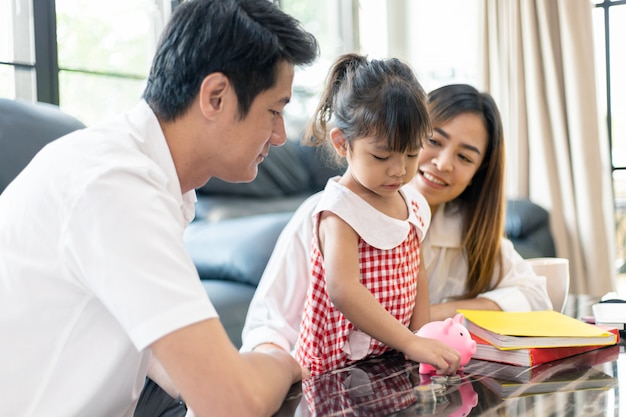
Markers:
(556, 271)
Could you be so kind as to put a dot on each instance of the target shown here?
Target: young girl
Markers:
(367, 291)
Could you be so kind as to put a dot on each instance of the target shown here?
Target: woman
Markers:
(468, 262)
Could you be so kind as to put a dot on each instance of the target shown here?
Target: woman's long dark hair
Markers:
(482, 202)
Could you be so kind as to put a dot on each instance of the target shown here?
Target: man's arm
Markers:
(216, 380)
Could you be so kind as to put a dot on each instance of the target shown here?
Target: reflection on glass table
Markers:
(583, 385)
(387, 385)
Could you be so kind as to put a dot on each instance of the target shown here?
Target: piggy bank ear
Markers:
(447, 325)
(458, 318)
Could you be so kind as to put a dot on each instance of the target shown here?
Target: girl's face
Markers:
(372, 168)
(448, 161)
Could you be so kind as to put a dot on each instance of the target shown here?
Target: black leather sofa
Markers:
(24, 129)
(236, 225)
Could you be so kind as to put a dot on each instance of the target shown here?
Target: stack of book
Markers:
(532, 338)
(519, 354)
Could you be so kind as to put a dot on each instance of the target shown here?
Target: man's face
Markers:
(246, 142)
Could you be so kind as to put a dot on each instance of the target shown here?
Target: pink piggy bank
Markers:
(452, 332)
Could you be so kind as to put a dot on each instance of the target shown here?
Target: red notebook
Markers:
(531, 356)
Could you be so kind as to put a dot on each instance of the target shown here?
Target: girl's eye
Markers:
(465, 158)
(275, 113)
(413, 155)
(379, 158)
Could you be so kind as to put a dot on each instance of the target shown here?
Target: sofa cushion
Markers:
(234, 249)
(219, 207)
(25, 128)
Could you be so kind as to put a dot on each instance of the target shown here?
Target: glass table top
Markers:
(587, 385)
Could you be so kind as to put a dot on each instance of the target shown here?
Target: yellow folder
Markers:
(515, 330)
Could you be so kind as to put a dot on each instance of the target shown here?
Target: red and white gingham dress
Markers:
(389, 264)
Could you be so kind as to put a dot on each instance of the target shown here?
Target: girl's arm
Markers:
(339, 245)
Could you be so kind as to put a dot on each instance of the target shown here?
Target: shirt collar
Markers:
(446, 227)
(148, 132)
(378, 230)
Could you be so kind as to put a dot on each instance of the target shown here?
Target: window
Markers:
(100, 60)
(342, 26)
(610, 37)
(412, 30)
(104, 54)
(331, 21)
(17, 50)
(98, 64)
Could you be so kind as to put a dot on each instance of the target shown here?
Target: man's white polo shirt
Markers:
(93, 269)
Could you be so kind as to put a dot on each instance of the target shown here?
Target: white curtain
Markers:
(539, 66)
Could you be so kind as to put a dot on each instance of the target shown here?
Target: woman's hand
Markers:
(442, 311)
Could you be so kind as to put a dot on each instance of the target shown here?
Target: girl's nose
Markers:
(398, 169)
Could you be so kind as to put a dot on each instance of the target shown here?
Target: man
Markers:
(94, 276)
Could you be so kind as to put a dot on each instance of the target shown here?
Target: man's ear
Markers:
(212, 93)
(339, 142)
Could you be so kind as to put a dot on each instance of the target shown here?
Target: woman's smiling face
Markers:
(450, 158)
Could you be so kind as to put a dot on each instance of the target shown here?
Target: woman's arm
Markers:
(519, 290)
(442, 311)
(276, 308)
(421, 312)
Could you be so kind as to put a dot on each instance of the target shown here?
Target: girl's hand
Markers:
(436, 353)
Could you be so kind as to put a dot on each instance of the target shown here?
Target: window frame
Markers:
(606, 5)
(46, 65)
